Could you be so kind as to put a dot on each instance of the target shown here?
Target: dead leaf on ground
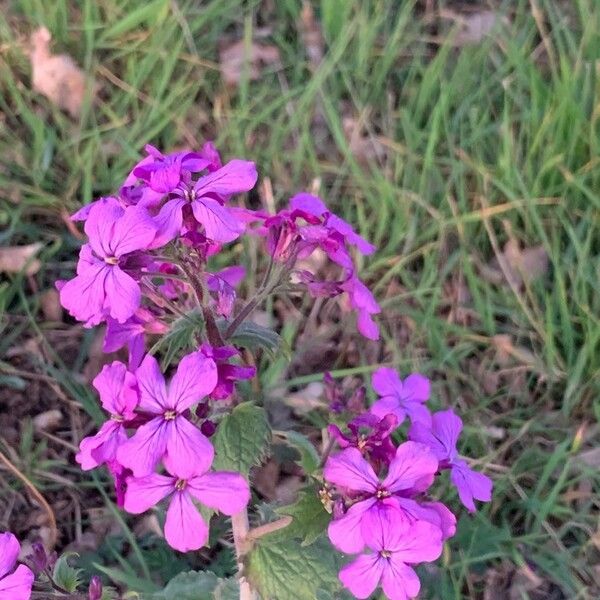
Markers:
(47, 420)
(522, 265)
(364, 147)
(235, 58)
(56, 76)
(312, 36)
(14, 259)
(51, 307)
(474, 27)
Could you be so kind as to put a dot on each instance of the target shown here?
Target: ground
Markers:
(461, 139)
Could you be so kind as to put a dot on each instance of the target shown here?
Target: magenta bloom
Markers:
(227, 373)
(442, 437)
(411, 471)
(15, 584)
(206, 198)
(119, 396)
(399, 397)
(363, 301)
(185, 529)
(393, 550)
(169, 433)
(102, 287)
(370, 435)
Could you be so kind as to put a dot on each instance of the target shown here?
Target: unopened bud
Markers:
(95, 589)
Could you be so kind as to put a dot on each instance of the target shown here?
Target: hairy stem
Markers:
(240, 527)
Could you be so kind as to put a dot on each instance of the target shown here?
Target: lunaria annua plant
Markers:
(179, 437)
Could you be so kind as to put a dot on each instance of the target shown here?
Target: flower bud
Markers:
(95, 589)
(208, 428)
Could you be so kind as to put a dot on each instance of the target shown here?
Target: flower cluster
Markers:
(15, 584)
(379, 491)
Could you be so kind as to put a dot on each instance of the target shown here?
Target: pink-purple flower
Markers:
(119, 397)
(169, 433)
(401, 397)
(102, 287)
(185, 529)
(442, 436)
(392, 550)
(15, 584)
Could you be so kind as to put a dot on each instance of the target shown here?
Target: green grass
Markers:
(501, 124)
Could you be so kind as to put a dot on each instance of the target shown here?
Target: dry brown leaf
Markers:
(526, 264)
(233, 59)
(14, 259)
(312, 36)
(475, 27)
(47, 420)
(364, 147)
(50, 303)
(56, 76)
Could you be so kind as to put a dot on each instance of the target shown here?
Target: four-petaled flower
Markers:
(102, 287)
(119, 396)
(442, 437)
(185, 529)
(169, 433)
(400, 397)
(14, 584)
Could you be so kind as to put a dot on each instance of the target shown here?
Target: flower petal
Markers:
(123, 294)
(102, 447)
(9, 551)
(168, 222)
(195, 378)
(143, 493)
(185, 528)
(350, 470)
(386, 406)
(117, 388)
(153, 391)
(219, 223)
(416, 387)
(346, 533)
(142, 452)
(135, 230)
(470, 485)
(227, 492)
(386, 382)
(100, 224)
(233, 178)
(17, 586)
(383, 523)
(399, 581)
(421, 542)
(413, 462)
(362, 575)
(189, 452)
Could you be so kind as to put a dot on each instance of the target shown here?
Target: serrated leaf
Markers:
(242, 440)
(180, 337)
(191, 585)
(309, 457)
(66, 576)
(256, 337)
(228, 589)
(310, 519)
(285, 570)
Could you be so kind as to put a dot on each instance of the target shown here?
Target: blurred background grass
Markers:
(471, 160)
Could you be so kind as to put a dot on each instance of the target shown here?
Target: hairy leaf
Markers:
(242, 440)
(198, 585)
(181, 336)
(309, 457)
(310, 519)
(256, 337)
(66, 576)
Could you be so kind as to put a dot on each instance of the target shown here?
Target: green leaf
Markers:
(310, 519)
(198, 585)
(181, 336)
(243, 439)
(284, 570)
(66, 576)
(256, 337)
(309, 457)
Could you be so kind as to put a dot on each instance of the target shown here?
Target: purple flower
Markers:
(222, 286)
(228, 373)
(411, 471)
(370, 435)
(441, 436)
(315, 206)
(363, 301)
(169, 433)
(206, 199)
(14, 584)
(399, 397)
(393, 549)
(102, 288)
(119, 396)
(164, 172)
(185, 529)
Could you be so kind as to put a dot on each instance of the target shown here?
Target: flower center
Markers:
(381, 493)
(117, 418)
(111, 260)
(189, 194)
(362, 442)
(180, 485)
(385, 554)
(169, 415)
